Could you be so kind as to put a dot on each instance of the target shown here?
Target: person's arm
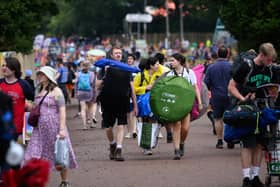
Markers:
(58, 73)
(133, 96)
(232, 89)
(62, 112)
(198, 97)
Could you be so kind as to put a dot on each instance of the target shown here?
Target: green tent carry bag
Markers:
(172, 98)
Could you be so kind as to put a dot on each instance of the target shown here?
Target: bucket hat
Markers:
(49, 72)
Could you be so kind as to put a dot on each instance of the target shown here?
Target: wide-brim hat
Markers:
(49, 72)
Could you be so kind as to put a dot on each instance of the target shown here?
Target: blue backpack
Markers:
(84, 81)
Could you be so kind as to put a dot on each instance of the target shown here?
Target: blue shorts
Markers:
(219, 107)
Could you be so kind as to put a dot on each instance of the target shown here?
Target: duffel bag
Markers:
(171, 98)
(233, 134)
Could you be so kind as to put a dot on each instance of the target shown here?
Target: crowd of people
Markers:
(70, 73)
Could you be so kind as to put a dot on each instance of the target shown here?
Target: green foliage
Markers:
(99, 17)
(252, 22)
(21, 20)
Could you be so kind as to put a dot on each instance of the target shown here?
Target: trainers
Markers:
(246, 182)
(169, 138)
(160, 135)
(118, 155)
(128, 135)
(230, 145)
(177, 155)
(112, 151)
(134, 135)
(182, 149)
(256, 182)
(147, 152)
(219, 144)
(64, 184)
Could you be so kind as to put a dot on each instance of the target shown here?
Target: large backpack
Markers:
(244, 57)
(172, 98)
(116, 83)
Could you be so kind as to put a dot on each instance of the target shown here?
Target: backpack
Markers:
(172, 98)
(84, 81)
(244, 57)
(116, 82)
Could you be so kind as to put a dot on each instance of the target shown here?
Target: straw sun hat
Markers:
(49, 72)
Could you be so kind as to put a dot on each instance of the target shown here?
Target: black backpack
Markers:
(244, 57)
(116, 82)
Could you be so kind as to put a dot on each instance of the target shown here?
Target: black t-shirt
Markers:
(260, 75)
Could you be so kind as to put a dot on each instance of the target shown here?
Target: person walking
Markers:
(246, 76)
(143, 83)
(217, 78)
(62, 78)
(116, 89)
(131, 125)
(18, 89)
(51, 124)
(181, 127)
(85, 93)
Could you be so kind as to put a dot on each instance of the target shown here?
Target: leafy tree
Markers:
(250, 22)
(90, 18)
(21, 20)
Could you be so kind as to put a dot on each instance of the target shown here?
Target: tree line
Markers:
(250, 22)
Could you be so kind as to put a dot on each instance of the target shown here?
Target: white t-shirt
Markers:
(187, 74)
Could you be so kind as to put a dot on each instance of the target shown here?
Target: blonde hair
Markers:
(268, 50)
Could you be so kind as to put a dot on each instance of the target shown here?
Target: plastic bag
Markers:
(143, 103)
(61, 153)
(147, 134)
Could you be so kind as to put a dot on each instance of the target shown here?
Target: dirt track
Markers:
(202, 166)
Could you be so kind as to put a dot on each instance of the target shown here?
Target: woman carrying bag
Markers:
(143, 83)
(51, 124)
(181, 128)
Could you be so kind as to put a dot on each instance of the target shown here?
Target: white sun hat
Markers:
(49, 72)
(96, 52)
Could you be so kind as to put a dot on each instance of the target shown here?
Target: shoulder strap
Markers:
(142, 78)
(251, 66)
(182, 72)
(43, 98)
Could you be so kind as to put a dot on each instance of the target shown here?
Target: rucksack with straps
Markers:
(84, 81)
(244, 57)
(172, 98)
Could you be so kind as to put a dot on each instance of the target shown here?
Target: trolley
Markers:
(272, 154)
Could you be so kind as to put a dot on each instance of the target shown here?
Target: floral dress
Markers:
(42, 141)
